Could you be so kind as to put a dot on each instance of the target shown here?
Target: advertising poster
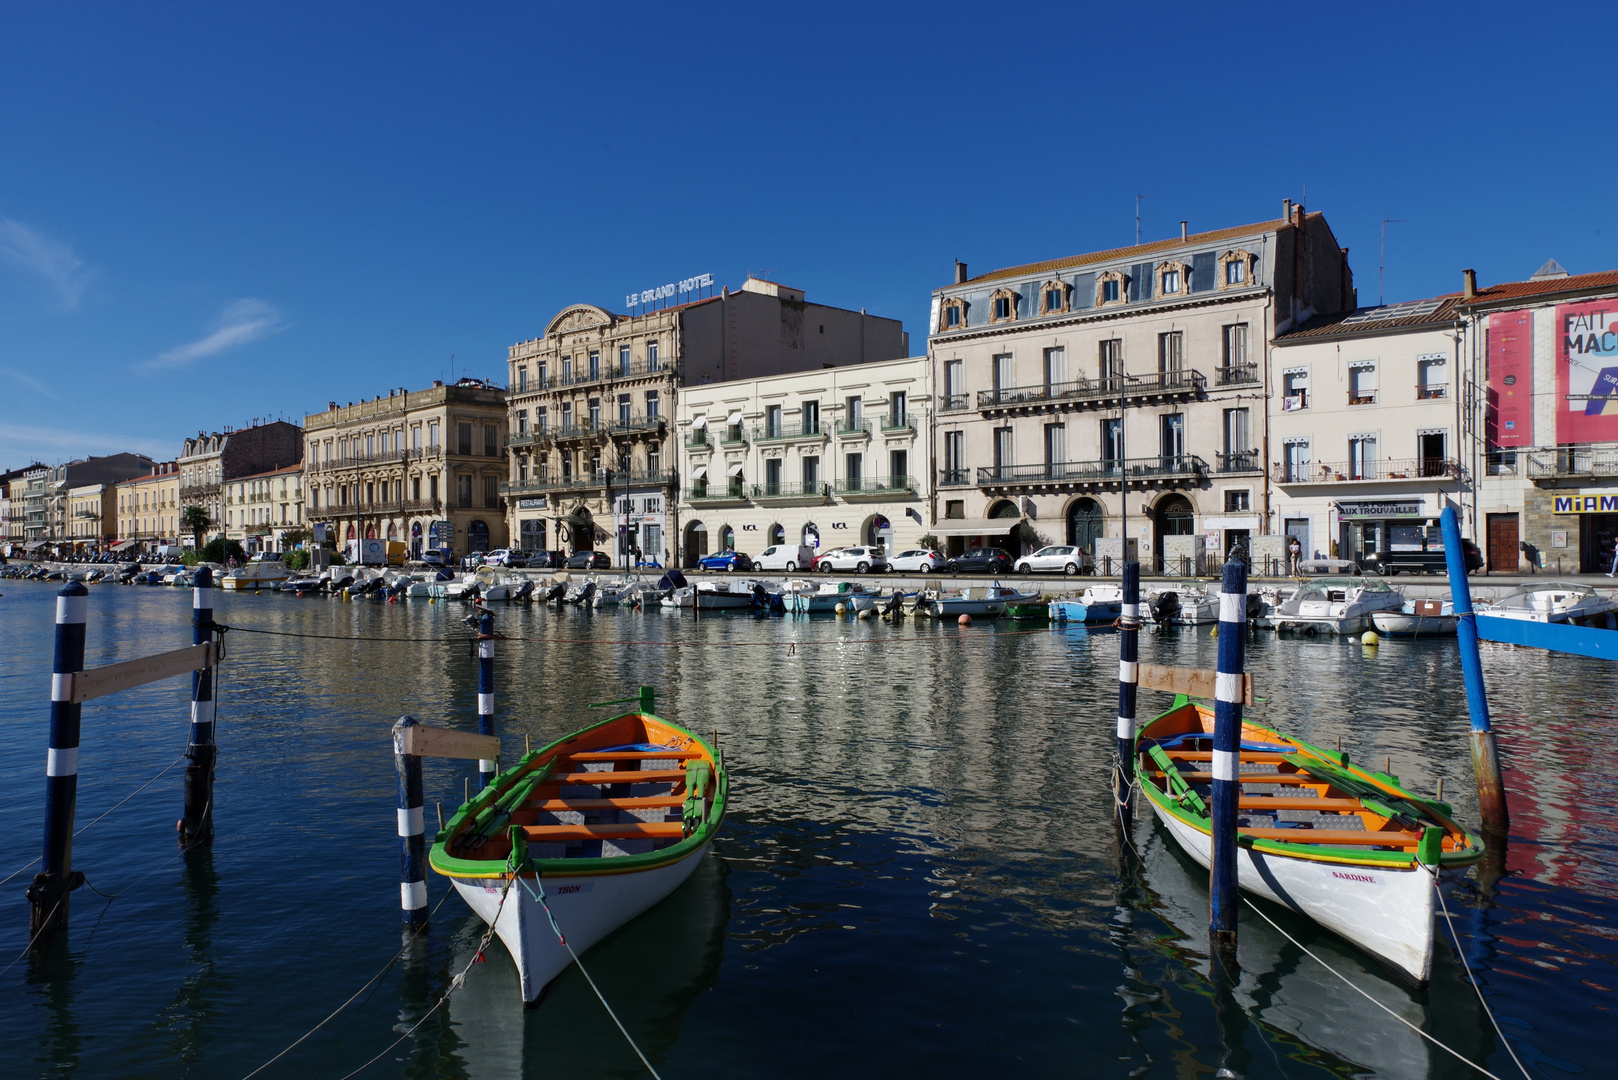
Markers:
(1587, 372)
(1511, 377)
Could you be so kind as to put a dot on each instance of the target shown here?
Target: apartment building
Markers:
(824, 458)
(1366, 426)
(33, 508)
(148, 509)
(262, 508)
(209, 460)
(590, 400)
(56, 501)
(13, 483)
(92, 516)
(1122, 393)
(419, 466)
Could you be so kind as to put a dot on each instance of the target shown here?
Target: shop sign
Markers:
(663, 292)
(532, 504)
(1407, 508)
(1511, 377)
(1585, 504)
(1587, 372)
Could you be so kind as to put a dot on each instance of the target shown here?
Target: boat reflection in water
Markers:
(1298, 1001)
(650, 971)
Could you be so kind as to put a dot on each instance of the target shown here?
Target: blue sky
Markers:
(211, 213)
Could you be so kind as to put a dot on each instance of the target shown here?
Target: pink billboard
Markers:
(1587, 372)
(1511, 378)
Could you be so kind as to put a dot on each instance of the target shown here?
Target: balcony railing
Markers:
(697, 439)
(733, 435)
(1157, 384)
(522, 438)
(601, 479)
(954, 477)
(1430, 391)
(1113, 470)
(1236, 374)
(1579, 460)
(734, 492)
(896, 425)
(781, 489)
(853, 429)
(1373, 471)
(584, 429)
(954, 402)
(1295, 402)
(875, 486)
(1368, 398)
(1239, 461)
(784, 432)
(603, 373)
(624, 425)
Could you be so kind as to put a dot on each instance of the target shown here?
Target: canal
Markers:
(919, 874)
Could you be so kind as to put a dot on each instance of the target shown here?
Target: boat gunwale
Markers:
(458, 868)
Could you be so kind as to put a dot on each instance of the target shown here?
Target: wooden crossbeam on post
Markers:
(84, 686)
(1192, 682)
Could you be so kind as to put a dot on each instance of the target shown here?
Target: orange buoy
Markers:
(964, 620)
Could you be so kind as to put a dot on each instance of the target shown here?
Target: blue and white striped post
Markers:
(196, 827)
(1485, 754)
(486, 689)
(412, 831)
(48, 895)
(1128, 686)
(1227, 740)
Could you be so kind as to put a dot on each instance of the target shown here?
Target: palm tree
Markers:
(196, 519)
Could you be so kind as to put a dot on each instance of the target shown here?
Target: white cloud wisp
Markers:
(33, 253)
(241, 323)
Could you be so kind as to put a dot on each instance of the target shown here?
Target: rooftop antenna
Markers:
(1382, 258)
(1138, 198)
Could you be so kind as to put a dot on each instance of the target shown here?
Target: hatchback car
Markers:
(980, 560)
(726, 560)
(1056, 559)
(589, 560)
(433, 557)
(865, 560)
(916, 561)
(506, 557)
(1430, 561)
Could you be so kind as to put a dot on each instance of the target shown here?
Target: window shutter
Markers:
(1084, 291)
(1203, 267)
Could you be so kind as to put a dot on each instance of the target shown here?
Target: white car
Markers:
(1057, 559)
(497, 557)
(862, 559)
(916, 561)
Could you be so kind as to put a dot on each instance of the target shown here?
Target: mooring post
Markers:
(196, 827)
(1222, 884)
(646, 697)
(412, 829)
(48, 895)
(486, 689)
(1485, 754)
(1128, 687)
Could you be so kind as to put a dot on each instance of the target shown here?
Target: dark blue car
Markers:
(726, 560)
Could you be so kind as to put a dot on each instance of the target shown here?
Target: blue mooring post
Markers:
(412, 830)
(1128, 686)
(1227, 741)
(48, 895)
(196, 826)
(1485, 754)
(486, 689)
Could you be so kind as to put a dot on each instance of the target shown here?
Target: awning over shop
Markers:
(34, 546)
(975, 526)
(120, 545)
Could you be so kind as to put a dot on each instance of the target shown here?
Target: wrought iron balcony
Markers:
(1094, 393)
(787, 432)
(954, 478)
(781, 489)
(853, 429)
(1109, 472)
(733, 435)
(1239, 461)
(628, 425)
(875, 486)
(1376, 470)
(714, 496)
(1236, 374)
(1575, 460)
(898, 425)
(954, 402)
(1432, 391)
(697, 439)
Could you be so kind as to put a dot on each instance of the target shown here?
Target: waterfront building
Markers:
(1366, 427)
(56, 500)
(590, 402)
(148, 509)
(262, 508)
(209, 460)
(1543, 354)
(13, 483)
(418, 466)
(92, 516)
(1132, 382)
(33, 508)
(824, 458)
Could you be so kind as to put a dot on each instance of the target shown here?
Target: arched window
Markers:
(777, 535)
(811, 534)
(727, 538)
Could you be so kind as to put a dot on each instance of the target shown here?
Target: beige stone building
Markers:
(209, 460)
(262, 508)
(68, 524)
(1123, 389)
(420, 466)
(591, 400)
(148, 509)
(92, 516)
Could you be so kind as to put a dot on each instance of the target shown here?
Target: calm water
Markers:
(919, 874)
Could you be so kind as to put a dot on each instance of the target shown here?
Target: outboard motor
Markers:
(761, 596)
(556, 593)
(1164, 606)
(525, 591)
(895, 607)
(586, 593)
(1255, 606)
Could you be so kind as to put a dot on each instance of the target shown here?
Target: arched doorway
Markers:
(1086, 523)
(1011, 513)
(477, 535)
(778, 536)
(877, 532)
(696, 543)
(1172, 516)
(727, 538)
(581, 530)
(370, 532)
(393, 530)
(352, 534)
(811, 535)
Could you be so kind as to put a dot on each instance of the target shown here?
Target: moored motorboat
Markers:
(1068, 611)
(1103, 602)
(1552, 602)
(608, 821)
(981, 601)
(1343, 845)
(823, 598)
(1335, 605)
(1418, 618)
(265, 572)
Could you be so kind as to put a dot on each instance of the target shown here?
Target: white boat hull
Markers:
(1388, 913)
(587, 908)
(1324, 624)
(1401, 624)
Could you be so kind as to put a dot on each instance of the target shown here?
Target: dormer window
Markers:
(1235, 273)
(1237, 269)
(1173, 278)
(1002, 306)
(1052, 298)
(1110, 288)
(953, 315)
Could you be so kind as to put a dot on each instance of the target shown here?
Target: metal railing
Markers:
(1107, 470)
(798, 430)
(1124, 387)
(1575, 460)
(1239, 461)
(875, 485)
(1430, 391)
(1377, 469)
(697, 439)
(622, 425)
(895, 424)
(954, 402)
(1235, 374)
(783, 489)
(853, 429)
(954, 477)
(733, 492)
(598, 480)
(1362, 399)
(733, 435)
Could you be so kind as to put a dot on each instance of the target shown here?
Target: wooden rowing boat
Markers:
(607, 821)
(1338, 843)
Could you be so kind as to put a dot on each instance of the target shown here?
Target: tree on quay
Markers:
(196, 520)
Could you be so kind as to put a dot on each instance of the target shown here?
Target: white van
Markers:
(788, 557)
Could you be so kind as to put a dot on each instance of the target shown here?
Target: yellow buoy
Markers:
(1369, 638)
(1216, 630)
(842, 609)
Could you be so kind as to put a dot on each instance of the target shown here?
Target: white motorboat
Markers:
(724, 595)
(266, 572)
(1418, 618)
(461, 588)
(822, 598)
(1552, 602)
(1103, 602)
(626, 594)
(498, 585)
(582, 593)
(983, 601)
(1183, 606)
(1336, 605)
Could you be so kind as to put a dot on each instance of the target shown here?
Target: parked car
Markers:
(788, 557)
(433, 557)
(865, 560)
(1056, 559)
(589, 560)
(986, 560)
(546, 560)
(514, 557)
(726, 560)
(916, 561)
(1430, 560)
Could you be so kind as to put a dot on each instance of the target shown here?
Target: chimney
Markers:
(1286, 209)
(1182, 232)
(960, 272)
(331, 406)
(1469, 284)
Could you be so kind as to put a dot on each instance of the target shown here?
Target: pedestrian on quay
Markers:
(1295, 556)
(1613, 569)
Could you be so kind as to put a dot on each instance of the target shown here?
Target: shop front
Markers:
(531, 530)
(1592, 517)
(641, 526)
(1390, 526)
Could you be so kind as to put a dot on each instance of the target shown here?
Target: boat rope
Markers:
(455, 983)
(413, 934)
(42, 928)
(538, 893)
(79, 831)
(1473, 978)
